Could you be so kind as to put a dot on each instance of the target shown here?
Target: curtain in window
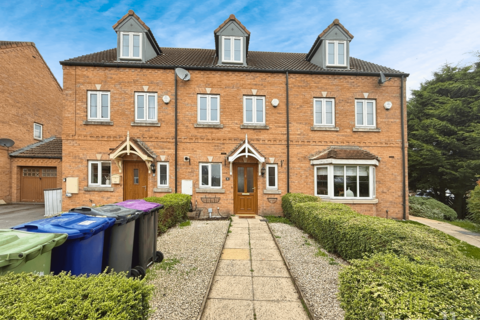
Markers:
(93, 105)
(151, 107)
(140, 107)
(105, 106)
(249, 110)
(213, 109)
(237, 43)
(359, 113)
(259, 110)
(227, 48)
(328, 112)
(136, 46)
(203, 109)
(318, 112)
(126, 45)
(369, 113)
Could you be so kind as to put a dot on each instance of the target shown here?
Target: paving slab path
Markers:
(469, 237)
(252, 281)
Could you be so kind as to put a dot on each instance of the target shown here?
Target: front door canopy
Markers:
(132, 146)
(245, 149)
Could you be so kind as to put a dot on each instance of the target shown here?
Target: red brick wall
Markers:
(29, 93)
(87, 142)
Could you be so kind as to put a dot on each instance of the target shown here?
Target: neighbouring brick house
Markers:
(31, 104)
(240, 130)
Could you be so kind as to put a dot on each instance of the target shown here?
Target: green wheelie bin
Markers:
(22, 251)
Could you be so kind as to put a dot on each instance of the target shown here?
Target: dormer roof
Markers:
(316, 44)
(240, 25)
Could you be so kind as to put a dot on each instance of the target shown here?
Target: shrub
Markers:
(175, 210)
(430, 208)
(103, 296)
(473, 205)
(290, 199)
(402, 289)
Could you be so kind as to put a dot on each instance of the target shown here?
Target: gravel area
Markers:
(181, 280)
(316, 274)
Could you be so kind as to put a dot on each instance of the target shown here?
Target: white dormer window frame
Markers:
(336, 53)
(232, 49)
(130, 46)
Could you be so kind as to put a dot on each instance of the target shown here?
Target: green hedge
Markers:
(473, 205)
(175, 209)
(430, 208)
(290, 199)
(103, 296)
(402, 289)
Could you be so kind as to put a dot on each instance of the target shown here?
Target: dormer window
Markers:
(232, 49)
(336, 53)
(131, 44)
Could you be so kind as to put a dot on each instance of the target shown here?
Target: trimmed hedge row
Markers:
(175, 209)
(290, 199)
(430, 208)
(103, 296)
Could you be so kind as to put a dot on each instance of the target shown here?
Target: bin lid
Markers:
(143, 205)
(76, 225)
(16, 245)
(122, 214)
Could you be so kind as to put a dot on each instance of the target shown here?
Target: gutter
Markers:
(288, 136)
(403, 153)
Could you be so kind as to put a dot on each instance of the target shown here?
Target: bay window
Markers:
(345, 181)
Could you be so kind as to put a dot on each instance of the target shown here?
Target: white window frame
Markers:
(209, 175)
(99, 184)
(209, 115)
(130, 46)
(336, 53)
(324, 112)
(364, 109)
(145, 99)
(41, 131)
(254, 109)
(158, 173)
(330, 172)
(99, 105)
(275, 187)
(232, 47)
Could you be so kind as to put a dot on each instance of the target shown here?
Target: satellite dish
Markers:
(382, 78)
(6, 143)
(182, 74)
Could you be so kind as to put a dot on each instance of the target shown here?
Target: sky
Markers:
(415, 37)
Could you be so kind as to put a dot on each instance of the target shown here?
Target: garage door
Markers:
(34, 181)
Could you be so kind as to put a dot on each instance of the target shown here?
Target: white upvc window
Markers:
(324, 112)
(99, 173)
(272, 176)
(345, 181)
(208, 108)
(210, 175)
(98, 105)
(253, 110)
(337, 53)
(162, 171)
(131, 45)
(37, 131)
(232, 49)
(365, 113)
(146, 106)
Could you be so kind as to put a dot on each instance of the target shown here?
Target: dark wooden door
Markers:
(135, 180)
(245, 184)
(34, 180)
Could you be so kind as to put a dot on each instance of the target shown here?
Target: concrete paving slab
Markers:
(219, 309)
(235, 231)
(266, 254)
(235, 254)
(269, 269)
(236, 244)
(261, 236)
(259, 231)
(274, 289)
(280, 310)
(263, 244)
(238, 236)
(234, 268)
(232, 287)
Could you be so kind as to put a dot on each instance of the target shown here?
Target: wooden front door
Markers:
(135, 180)
(34, 180)
(245, 184)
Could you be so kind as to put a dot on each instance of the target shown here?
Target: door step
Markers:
(246, 217)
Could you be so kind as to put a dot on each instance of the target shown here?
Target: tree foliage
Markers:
(444, 133)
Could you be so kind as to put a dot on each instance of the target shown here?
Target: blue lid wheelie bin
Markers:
(82, 252)
(118, 245)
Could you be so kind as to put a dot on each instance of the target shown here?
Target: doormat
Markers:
(246, 217)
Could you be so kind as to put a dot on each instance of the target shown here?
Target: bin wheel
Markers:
(141, 270)
(158, 257)
(134, 273)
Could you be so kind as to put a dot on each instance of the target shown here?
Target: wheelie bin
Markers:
(118, 244)
(83, 251)
(22, 251)
(145, 240)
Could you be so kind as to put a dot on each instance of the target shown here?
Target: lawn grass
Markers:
(275, 219)
(185, 224)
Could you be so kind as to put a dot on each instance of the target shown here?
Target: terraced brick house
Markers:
(235, 128)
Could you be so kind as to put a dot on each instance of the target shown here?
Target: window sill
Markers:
(366, 129)
(208, 125)
(39, 139)
(210, 190)
(254, 126)
(351, 201)
(98, 189)
(145, 124)
(98, 123)
(164, 190)
(272, 191)
(324, 128)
